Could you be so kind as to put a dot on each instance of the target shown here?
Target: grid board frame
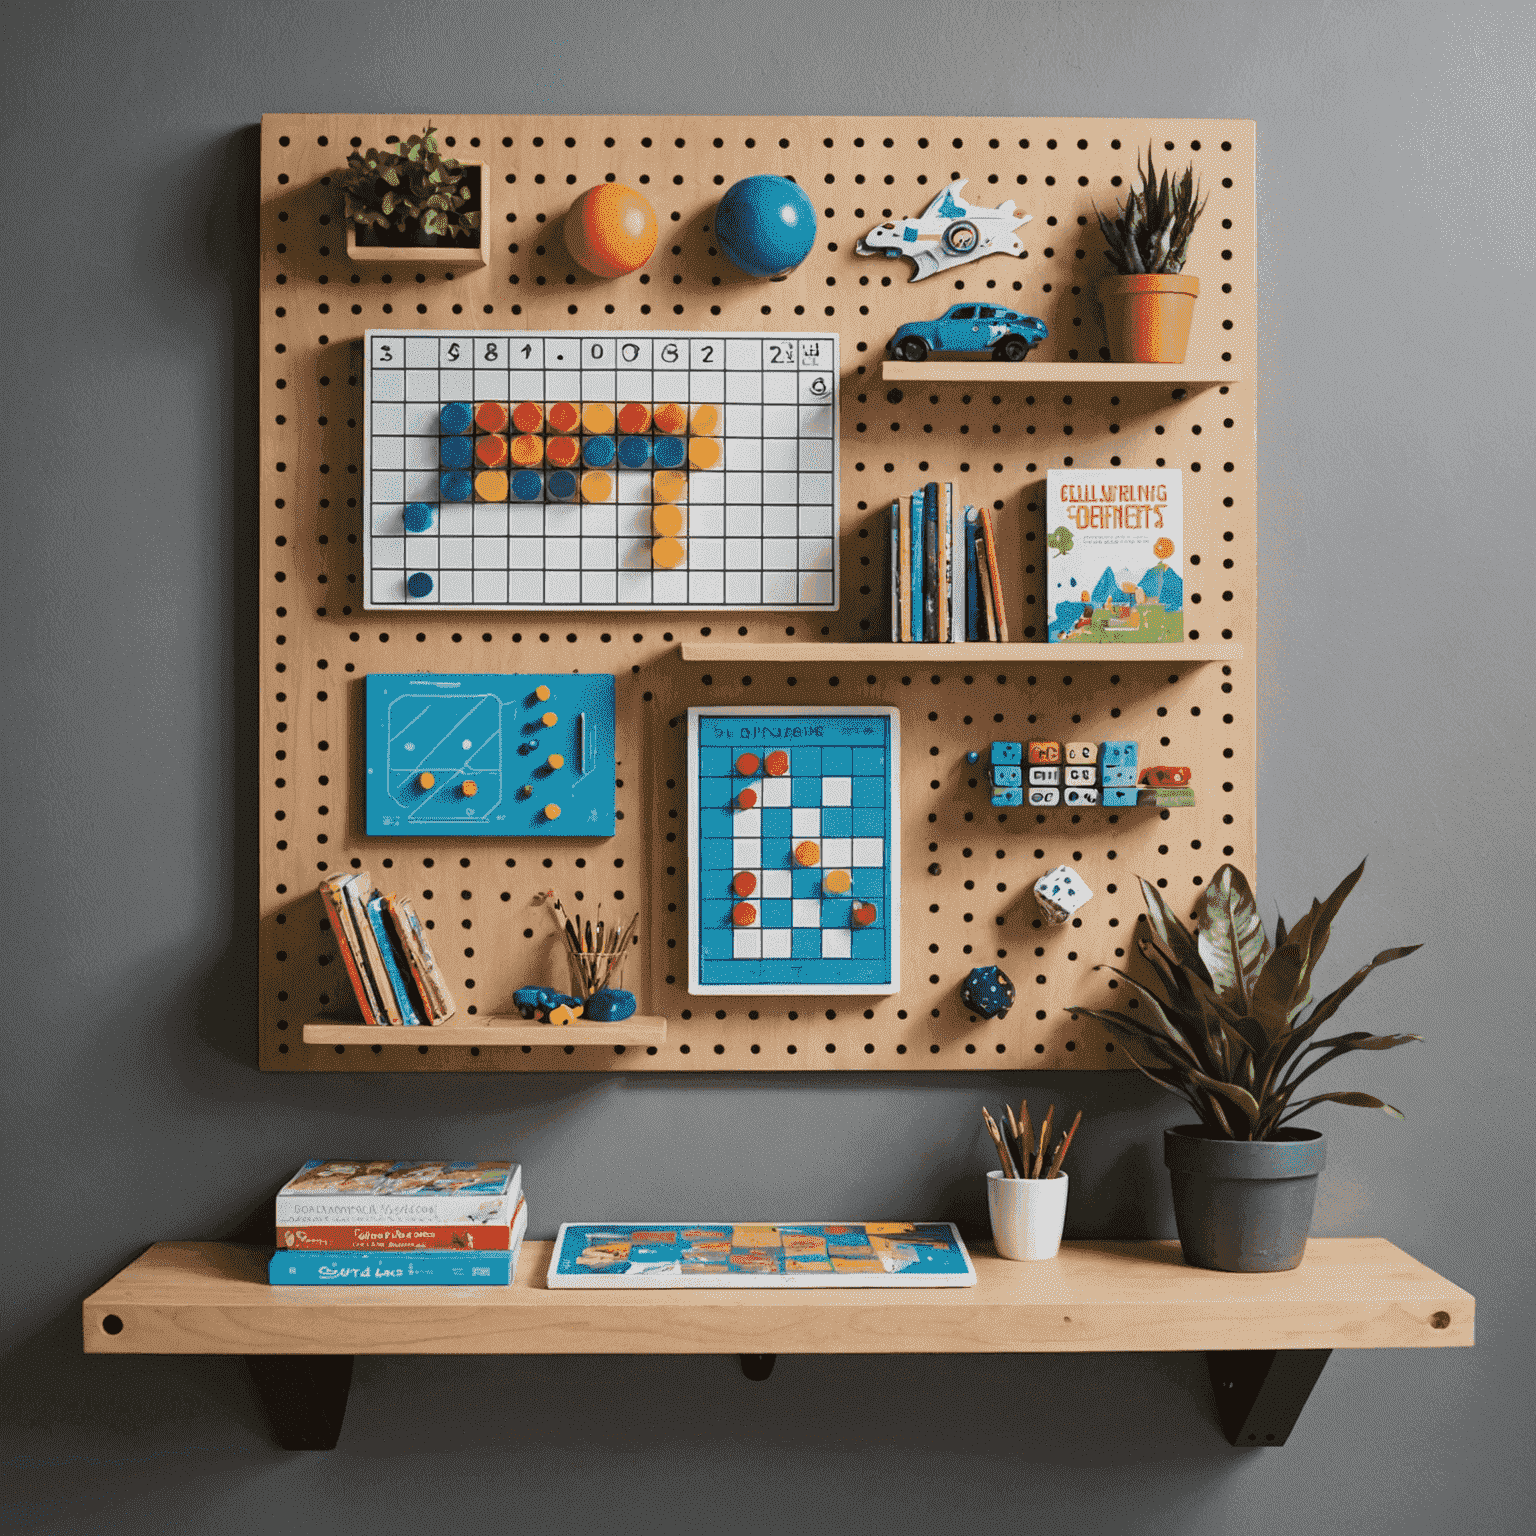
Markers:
(995, 439)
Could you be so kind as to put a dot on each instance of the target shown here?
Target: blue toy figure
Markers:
(610, 1005)
(766, 225)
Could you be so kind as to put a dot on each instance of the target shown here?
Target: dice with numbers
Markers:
(1081, 794)
(1082, 751)
(1006, 797)
(1118, 795)
(1045, 751)
(1039, 775)
(1040, 794)
(1060, 892)
(1118, 754)
(1006, 776)
(1082, 773)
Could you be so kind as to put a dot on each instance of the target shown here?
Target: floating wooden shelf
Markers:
(1268, 1335)
(976, 371)
(1190, 651)
(491, 1031)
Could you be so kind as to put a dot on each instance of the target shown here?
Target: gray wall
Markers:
(1395, 147)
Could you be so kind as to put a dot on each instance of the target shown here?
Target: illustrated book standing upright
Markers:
(1115, 555)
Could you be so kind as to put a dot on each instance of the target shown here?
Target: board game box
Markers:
(762, 1255)
(602, 470)
(344, 1192)
(1115, 555)
(794, 879)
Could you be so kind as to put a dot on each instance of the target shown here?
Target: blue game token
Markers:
(418, 517)
(455, 452)
(634, 452)
(455, 484)
(562, 485)
(527, 485)
(598, 452)
(456, 416)
(669, 452)
(419, 584)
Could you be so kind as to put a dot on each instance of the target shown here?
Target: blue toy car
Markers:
(1005, 333)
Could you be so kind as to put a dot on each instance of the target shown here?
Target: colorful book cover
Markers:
(975, 623)
(1115, 565)
(954, 523)
(895, 591)
(915, 596)
(357, 890)
(392, 962)
(712, 1255)
(425, 1266)
(354, 1193)
(429, 979)
(931, 561)
(392, 1236)
(348, 946)
(905, 573)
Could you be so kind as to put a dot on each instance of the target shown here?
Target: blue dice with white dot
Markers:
(987, 991)
(1006, 775)
(1007, 752)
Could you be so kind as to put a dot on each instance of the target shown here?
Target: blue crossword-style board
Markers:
(489, 754)
(794, 850)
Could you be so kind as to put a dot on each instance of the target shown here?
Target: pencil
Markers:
(1026, 1133)
(1061, 1150)
(1045, 1140)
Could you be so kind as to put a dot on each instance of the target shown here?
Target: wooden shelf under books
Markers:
(1349, 1293)
(1188, 652)
(974, 371)
(491, 1030)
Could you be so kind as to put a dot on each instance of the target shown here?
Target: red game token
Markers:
(746, 799)
(777, 764)
(746, 764)
(744, 883)
(864, 914)
(743, 914)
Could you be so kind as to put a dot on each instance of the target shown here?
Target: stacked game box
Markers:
(389, 1223)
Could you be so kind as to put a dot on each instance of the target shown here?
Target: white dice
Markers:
(1060, 893)
(1082, 773)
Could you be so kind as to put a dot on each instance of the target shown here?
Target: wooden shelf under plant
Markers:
(491, 1030)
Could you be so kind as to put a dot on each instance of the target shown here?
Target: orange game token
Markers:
(703, 452)
(491, 485)
(634, 417)
(706, 419)
(671, 418)
(807, 855)
(744, 802)
(597, 418)
(747, 764)
(563, 416)
(777, 764)
(668, 553)
(528, 450)
(491, 416)
(744, 883)
(864, 914)
(743, 914)
(667, 520)
(491, 451)
(562, 452)
(838, 881)
(669, 485)
(596, 486)
(527, 416)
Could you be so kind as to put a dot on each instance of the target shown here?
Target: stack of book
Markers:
(384, 1223)
(945, 584)
(386, 954)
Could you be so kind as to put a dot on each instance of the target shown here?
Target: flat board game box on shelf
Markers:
(1115, 563)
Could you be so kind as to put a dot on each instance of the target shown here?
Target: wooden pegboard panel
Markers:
(995, 440)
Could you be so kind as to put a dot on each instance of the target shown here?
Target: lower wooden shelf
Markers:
(1267, 1335)
(917, 654)
(491, 1030)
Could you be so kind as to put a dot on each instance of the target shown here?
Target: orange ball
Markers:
(611, 230)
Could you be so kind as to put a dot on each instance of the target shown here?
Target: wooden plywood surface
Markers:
(995, 438)
(1350, 1293)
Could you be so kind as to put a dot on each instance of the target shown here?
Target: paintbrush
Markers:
(1003, 1155)
(1026, 1134)
(1061, 1150)
(1045, 1141)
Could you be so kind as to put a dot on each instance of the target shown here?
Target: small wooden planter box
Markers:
(431, 257)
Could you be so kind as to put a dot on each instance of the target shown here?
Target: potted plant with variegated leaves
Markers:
(410, 198)
(1234, 1032)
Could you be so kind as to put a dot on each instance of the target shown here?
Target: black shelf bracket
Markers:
(1260, 1392)
(757, 1367)
(305, 1397)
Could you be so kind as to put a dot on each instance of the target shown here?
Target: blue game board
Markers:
(484, 755)
(794, 853)
(715, 1255)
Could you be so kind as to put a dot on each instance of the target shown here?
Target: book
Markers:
(357, 889)
(422, 1266)
(984, 582)
(339, 1192)
(931, 561)
(349, 946)
(393, 964)
(430, 986)
(941, 603)
(995, 580)
(1114, 556)
(955, 517)
(974, 621)
(915, 589)
(895, 588)
(904, 572)
(393, 1237)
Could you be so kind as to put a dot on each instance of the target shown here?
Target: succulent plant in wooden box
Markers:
(410, 194)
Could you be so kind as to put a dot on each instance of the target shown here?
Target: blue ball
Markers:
(634, 452)
(766, 225)
(561, 485)
(456, 416)
(669, 452)
(597, 452)
(455, 485)
(527, 485)
(455, 452)
(419, 584)
(418, 517)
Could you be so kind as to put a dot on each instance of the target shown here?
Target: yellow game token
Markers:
(669, 485)
(838, 881)
(667, 520)
(469, 787)
(551, 813)
(426, 780)
(596, 485)
(491, 485)
(551, 718)
(566, 1013)
(667, 553)
(541, 693)
(807, 855)
(597, 419)
(527, 450)
(556, 761)
(703, 452)
(706, 419)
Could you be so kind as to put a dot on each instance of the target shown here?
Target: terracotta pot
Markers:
(1147, 317)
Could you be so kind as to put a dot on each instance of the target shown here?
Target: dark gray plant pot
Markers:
(1243, 1205)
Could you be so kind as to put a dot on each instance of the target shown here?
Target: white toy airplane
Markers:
(948, 233)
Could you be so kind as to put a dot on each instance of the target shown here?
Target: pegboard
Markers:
(968, 869)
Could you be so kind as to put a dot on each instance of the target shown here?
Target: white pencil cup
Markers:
(1027, 1215)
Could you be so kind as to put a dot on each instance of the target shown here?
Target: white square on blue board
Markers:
(868, 852)
(836, 791)
(805, 821)
(776, 943)
(837, 853)
(806, 913)
(747, 823)
(775, 792)
(778, 884)
(747, 943)
(746, 852)
(836, 943)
